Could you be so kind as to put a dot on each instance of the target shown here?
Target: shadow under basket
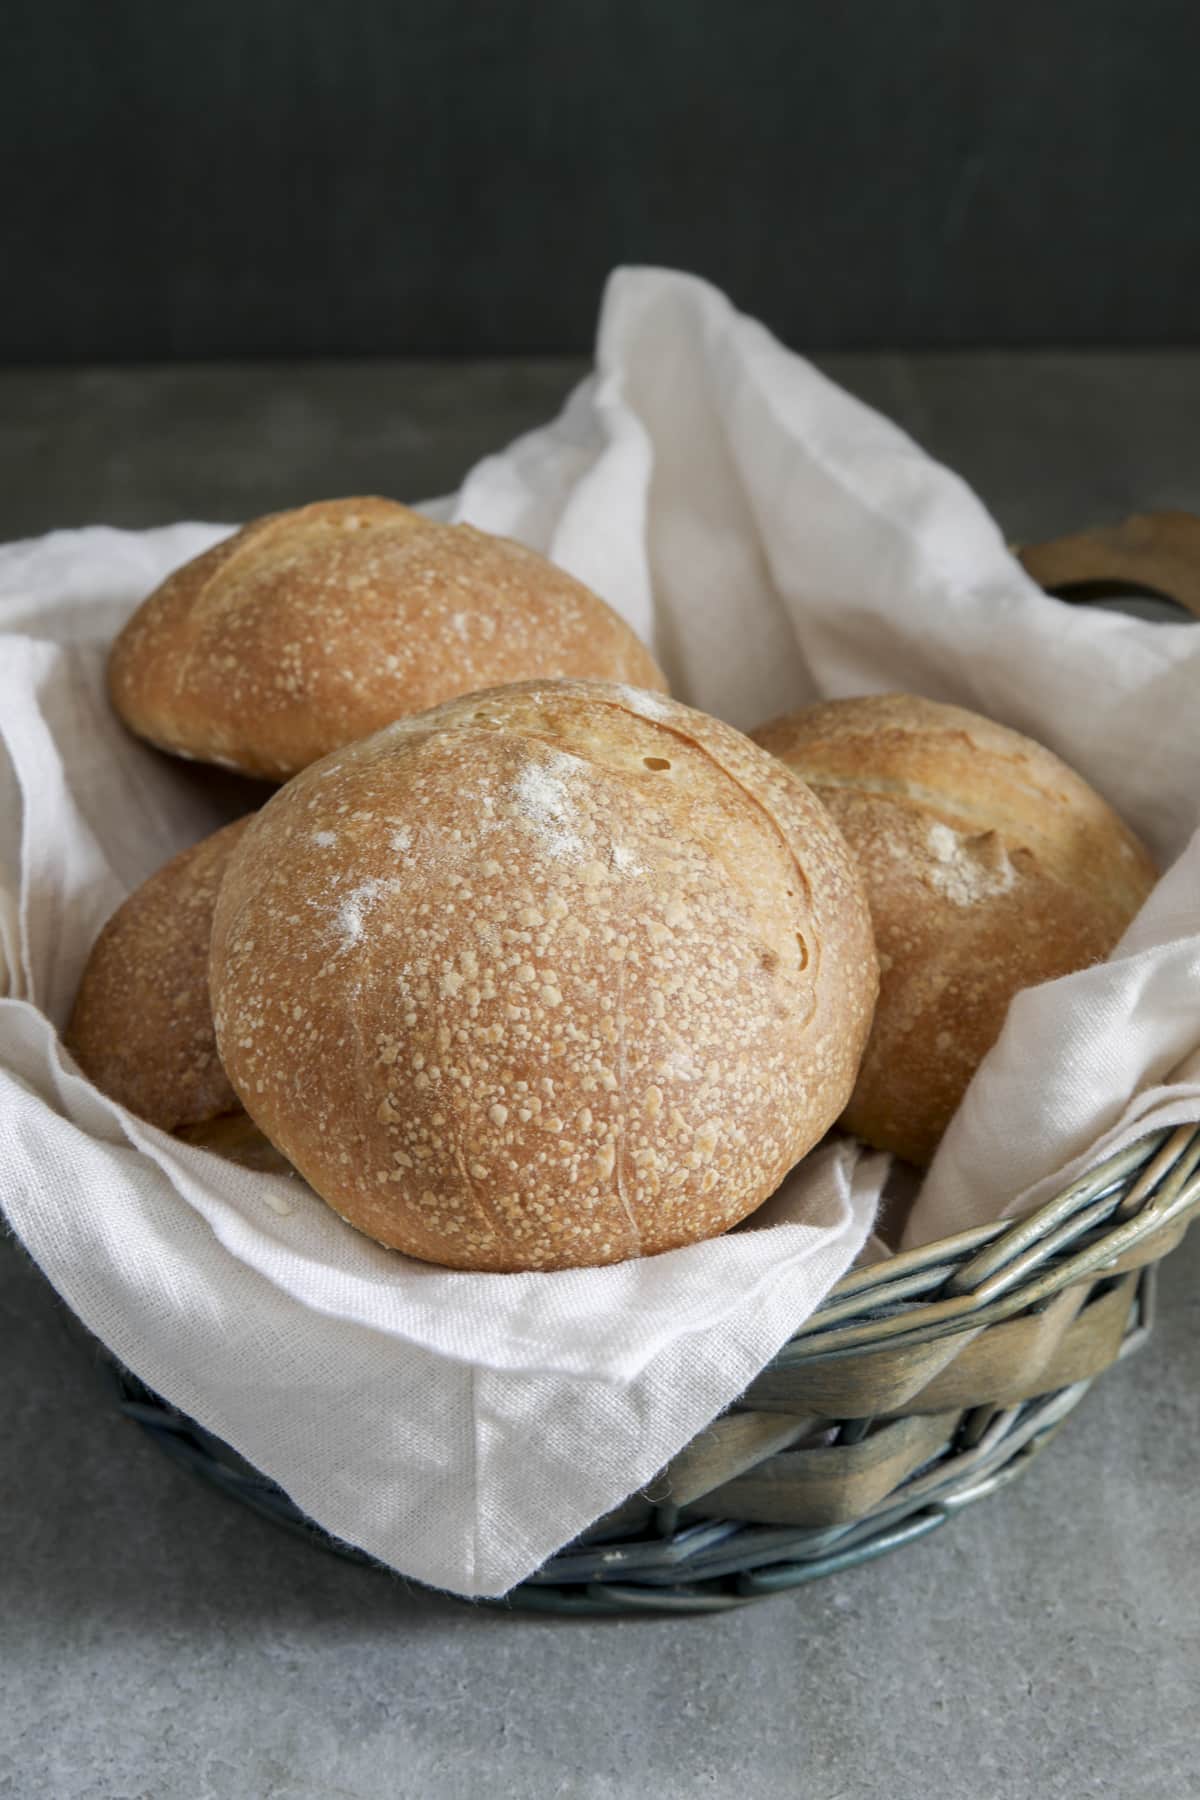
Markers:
(918, 1386)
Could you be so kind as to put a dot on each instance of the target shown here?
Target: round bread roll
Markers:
(989, 866)
(141, 1028)
(308, 629)
(557, 974)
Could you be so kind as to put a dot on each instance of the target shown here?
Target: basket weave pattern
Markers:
(919, 1385)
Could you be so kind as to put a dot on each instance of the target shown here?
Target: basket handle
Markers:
(1157, 552)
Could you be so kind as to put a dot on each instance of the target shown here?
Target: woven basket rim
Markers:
(991, 1272)
(1116, 1221)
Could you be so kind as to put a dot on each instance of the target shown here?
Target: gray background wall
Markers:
(359, 176)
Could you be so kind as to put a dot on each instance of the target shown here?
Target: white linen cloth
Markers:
(778, 542)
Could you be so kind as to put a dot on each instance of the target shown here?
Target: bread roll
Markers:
(309, 629)
(141, 1028)
(989, 866)
(556, 974)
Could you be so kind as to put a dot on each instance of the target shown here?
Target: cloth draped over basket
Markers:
(778, 542)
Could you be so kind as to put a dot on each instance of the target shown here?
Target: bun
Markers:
(554, 975)
(308, 629)
(141, 1028)
(989, 866)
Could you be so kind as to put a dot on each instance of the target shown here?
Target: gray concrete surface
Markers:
(159, 1643)
(1051, 439)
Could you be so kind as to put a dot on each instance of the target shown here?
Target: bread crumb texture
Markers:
(141, 1028)
(989, 866)
(557, 974)
(308, 629)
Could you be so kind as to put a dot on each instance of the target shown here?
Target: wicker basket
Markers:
(920, 1384)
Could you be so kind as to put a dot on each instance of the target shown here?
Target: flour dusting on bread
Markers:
(542, 798)
(967, 870)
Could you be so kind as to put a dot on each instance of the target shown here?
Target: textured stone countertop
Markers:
(159, 1643)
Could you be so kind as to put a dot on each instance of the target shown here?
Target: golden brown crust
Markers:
(141, 1028)
(989, 865)
(308, 629)
(554, 975)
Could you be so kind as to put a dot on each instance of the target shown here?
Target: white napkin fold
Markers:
(779, 542)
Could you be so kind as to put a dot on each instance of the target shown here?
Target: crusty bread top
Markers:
(308, 629)
(141, 1028)
(976, 776)
(989, 866)
(556, 974)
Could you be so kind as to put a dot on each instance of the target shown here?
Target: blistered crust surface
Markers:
(555, 975)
